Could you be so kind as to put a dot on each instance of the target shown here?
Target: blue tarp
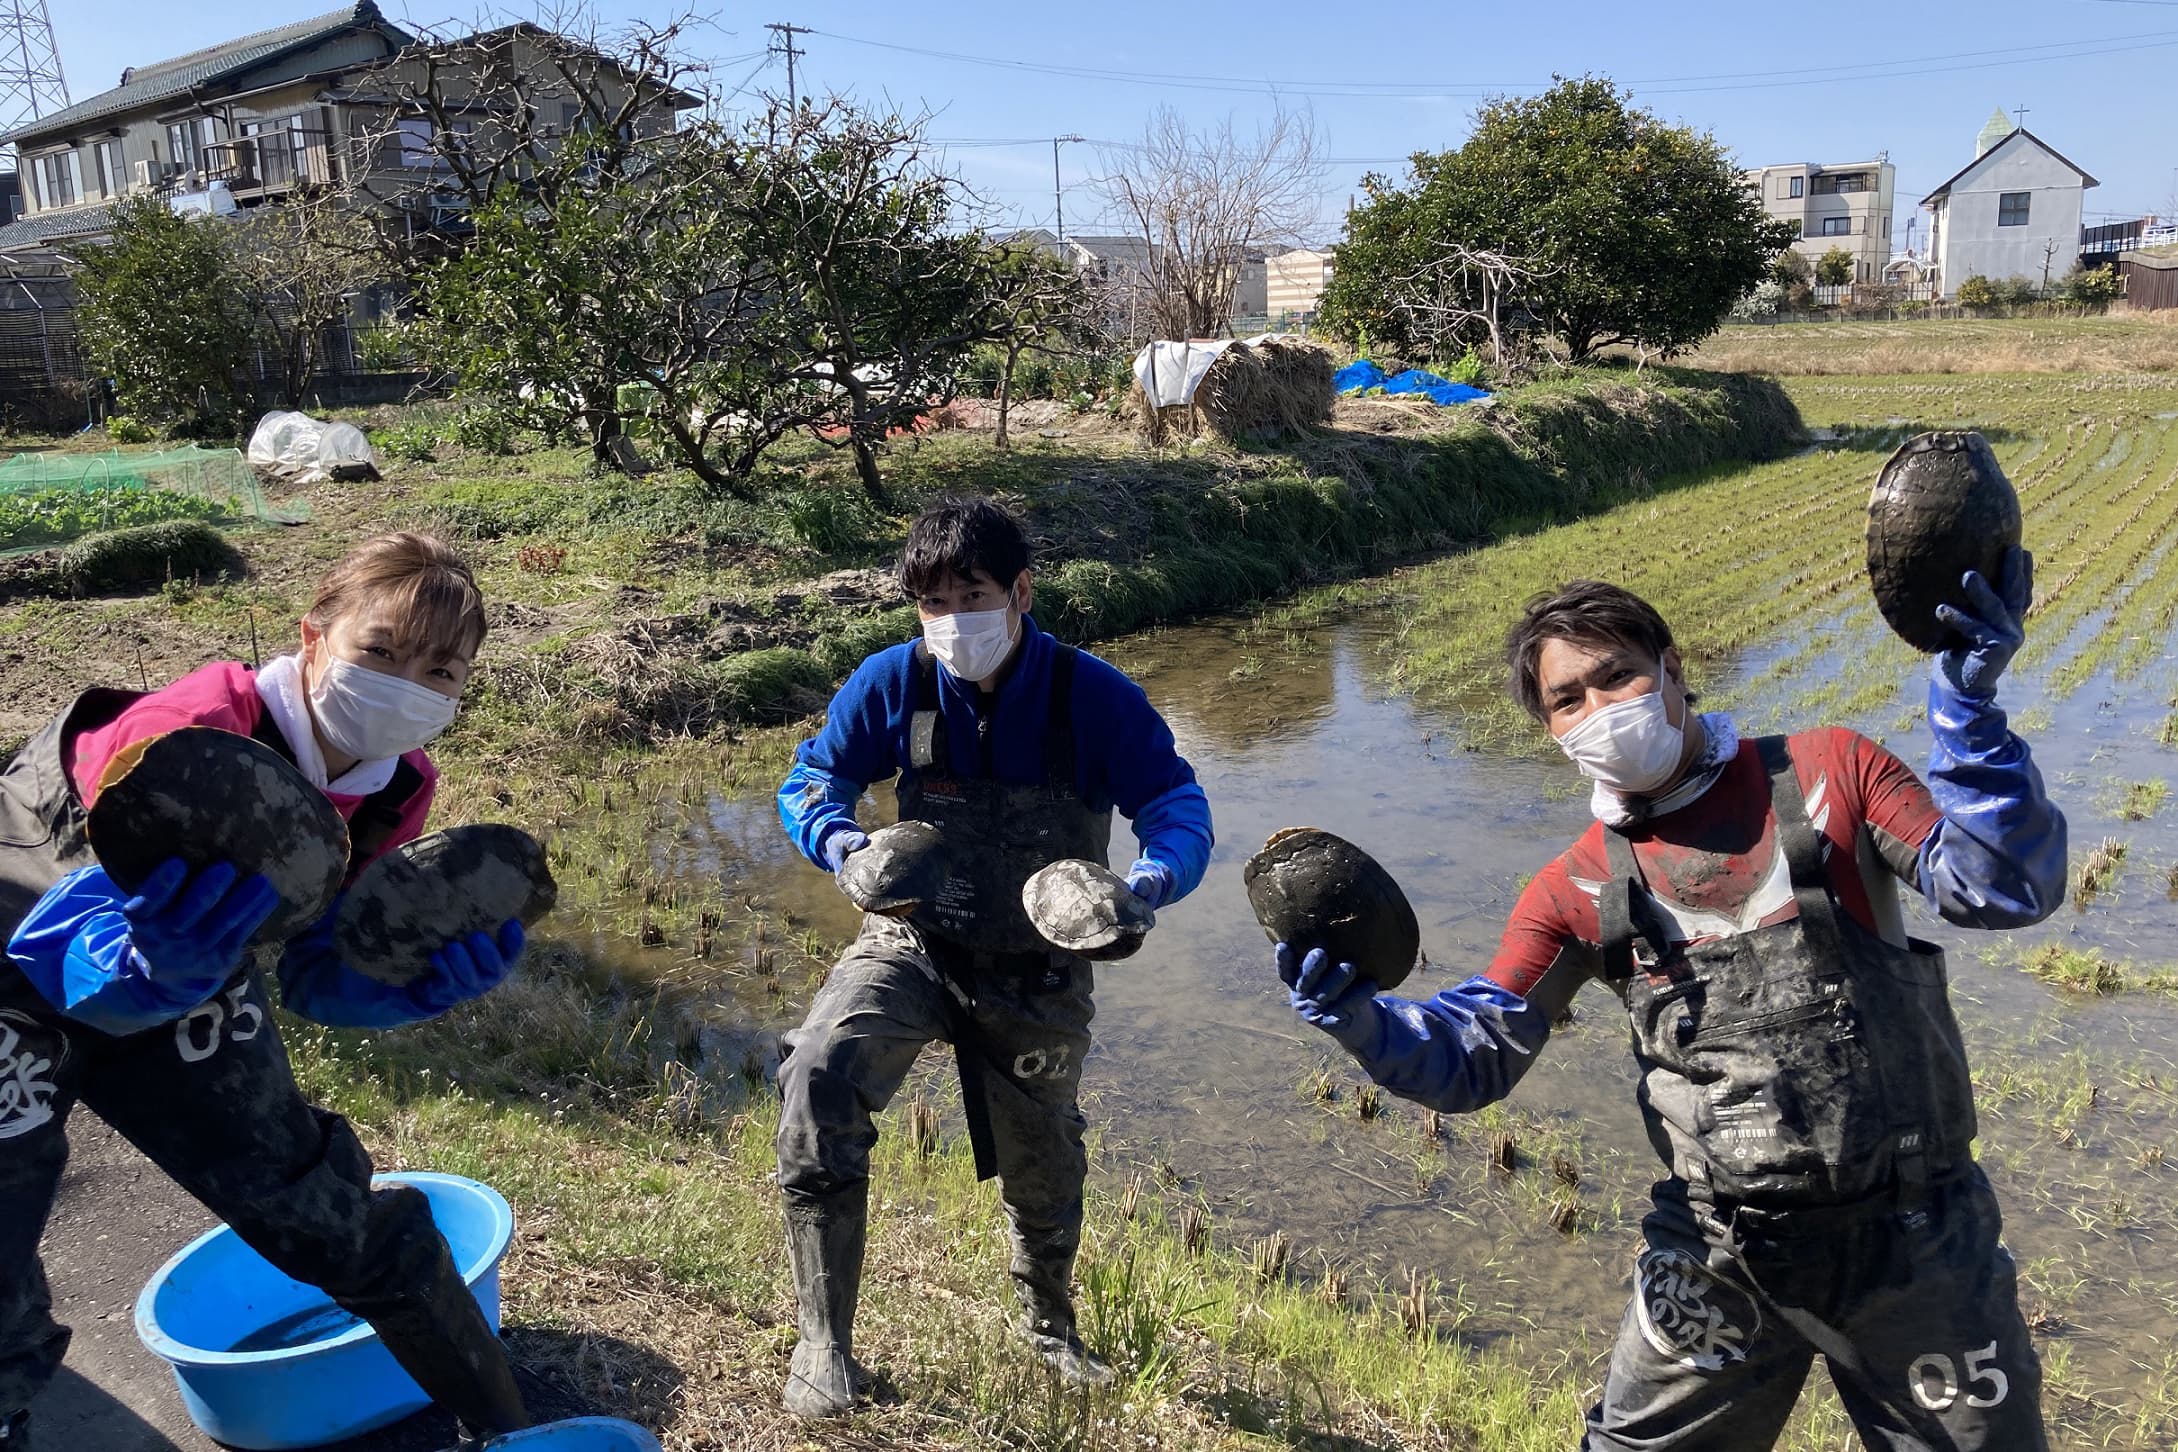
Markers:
(1361, 375)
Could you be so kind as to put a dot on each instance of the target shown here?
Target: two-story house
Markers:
(324, 102)
(1836, 206)
(2014, 211)
(229, 126)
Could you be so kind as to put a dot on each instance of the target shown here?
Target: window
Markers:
(1837, 226)
(1843, 184)
(416, 148)
(112, 180)
(181, 144)
(1794, 186)
(59, 179)
(2012, 208)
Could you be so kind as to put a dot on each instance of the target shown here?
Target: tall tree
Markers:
(1202, 201)
(1638, 232)
(160, 312)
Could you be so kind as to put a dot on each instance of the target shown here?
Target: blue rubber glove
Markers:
(1994, 624)
(840, 843)
(1150, 881)
(1457, 1052)
(1332, 996)
(468, 968)
(317, 985)
(79, 947)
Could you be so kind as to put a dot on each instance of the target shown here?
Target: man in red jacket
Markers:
(1802, 1077)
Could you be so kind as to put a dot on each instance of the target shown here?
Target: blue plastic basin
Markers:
(265, 1362)
(579, 1434)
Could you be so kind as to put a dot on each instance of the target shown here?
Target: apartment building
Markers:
(1293, 284)
(1834, 205)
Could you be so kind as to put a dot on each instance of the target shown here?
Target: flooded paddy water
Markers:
(1387, 725)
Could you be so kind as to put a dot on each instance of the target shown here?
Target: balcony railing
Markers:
(272, 160)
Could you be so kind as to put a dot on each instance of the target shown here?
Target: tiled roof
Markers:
(147, 85)
(44, 227)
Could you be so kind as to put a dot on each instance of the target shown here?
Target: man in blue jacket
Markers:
(1802, 1077)
(1017, 748)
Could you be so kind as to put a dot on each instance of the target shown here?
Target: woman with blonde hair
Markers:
(147, 1008)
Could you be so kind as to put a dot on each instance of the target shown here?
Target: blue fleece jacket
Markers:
(1124, 754)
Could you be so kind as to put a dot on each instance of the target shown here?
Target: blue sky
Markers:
(1837, 81)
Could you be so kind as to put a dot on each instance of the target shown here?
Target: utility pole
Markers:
(794, 104)
(1058, 197)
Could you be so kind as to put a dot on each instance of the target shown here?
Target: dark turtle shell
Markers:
(1086, 908)
(1314, 890)
(902, 869)
(425, 894)
(1941, 507)
(206, 795)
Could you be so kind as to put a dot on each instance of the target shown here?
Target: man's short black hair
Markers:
(960, 537)
(1585, 612)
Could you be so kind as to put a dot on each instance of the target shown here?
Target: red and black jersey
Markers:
(1712, 867)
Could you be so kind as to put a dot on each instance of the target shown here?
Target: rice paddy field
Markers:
(2112, 343)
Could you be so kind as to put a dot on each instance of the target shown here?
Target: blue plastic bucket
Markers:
(579, 1434)
(265, 1362)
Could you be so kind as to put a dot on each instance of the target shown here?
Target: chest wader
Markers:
(998, 836)
(1002, 835)
(1809, 1063)
(209, 1099)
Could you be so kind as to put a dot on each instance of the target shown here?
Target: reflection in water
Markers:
(1201, 1068)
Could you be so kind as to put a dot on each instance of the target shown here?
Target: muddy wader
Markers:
(210, 1099)
(1807, 1084)
(972, 971)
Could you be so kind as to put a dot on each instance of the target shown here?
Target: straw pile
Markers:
(1252, 392)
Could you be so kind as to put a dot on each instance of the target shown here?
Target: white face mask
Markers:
(1629, 746)
(972, 644)
(372, 716)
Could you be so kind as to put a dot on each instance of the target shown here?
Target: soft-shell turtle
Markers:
(421, 896)
(901, 869)
(1314, 890)
(1088, 909)
(1941, 507)
(206, 795)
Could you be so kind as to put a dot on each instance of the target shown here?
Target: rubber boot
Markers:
(434, 1328)
(824, 1247)
(1043, 1276)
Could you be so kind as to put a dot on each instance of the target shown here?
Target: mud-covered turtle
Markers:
(1941, 507)
(421, 896)
(902, 868)
(1314, 890)
(206, 795)
(1088, 909)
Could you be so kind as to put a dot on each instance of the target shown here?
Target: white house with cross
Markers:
(2013, 212)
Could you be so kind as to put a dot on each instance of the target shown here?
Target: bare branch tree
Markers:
(1202, 201)
(1461, 293)
(448, 122)
(299, 264)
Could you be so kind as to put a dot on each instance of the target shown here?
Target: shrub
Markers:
(2091, 287)
(415, 442)
(150, 554)
(2017, 291)
(1977, 292)
(1467, 369)
(125, 428)
(385, 349)
(1762, 300)
(485, 428)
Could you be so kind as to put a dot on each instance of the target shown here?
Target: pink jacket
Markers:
(224, 695)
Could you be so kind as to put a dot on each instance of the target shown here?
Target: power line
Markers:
(1668, 85)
